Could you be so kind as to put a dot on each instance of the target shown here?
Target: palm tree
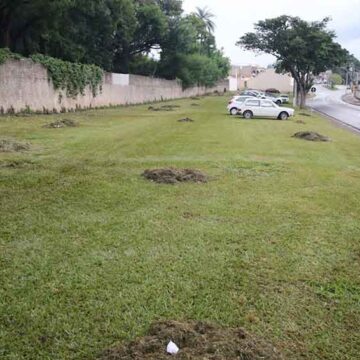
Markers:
(206, 16)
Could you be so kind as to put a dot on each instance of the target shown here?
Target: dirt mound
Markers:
(300, 122)
(162, 108)
(197, 341)
(7, 145)
(186, 120)
(174, 176)
(61, 124)
(311, 136)
(170, 106)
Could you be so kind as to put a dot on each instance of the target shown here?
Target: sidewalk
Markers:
(350, 99)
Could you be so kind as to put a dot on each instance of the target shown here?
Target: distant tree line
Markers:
(117, 35)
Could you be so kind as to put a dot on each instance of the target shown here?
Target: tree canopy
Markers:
(117, 35)
(302, 48)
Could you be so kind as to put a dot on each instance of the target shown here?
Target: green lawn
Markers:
(91, 253)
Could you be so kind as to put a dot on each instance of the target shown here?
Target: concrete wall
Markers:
(270, 79)
(25, 84)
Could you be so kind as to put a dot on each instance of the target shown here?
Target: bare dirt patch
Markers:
(194, 104)
(186, 120)
(61, 124)
(197, 341)
(311, 136)
(300, 122)
(9, 145)
(174, 176)
(305, 114)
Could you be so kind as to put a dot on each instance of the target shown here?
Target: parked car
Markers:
(253, 93)
(272, 91)
(285, 98)
(264, 108)
(276, 99)
(236, 102)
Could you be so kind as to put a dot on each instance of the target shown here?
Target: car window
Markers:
(253, 103)
(267, 103)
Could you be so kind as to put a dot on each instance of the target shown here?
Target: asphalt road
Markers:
(329, 103)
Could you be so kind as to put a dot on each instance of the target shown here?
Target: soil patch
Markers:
(186, 120)
(7, 145)
(300, 122)
(304, 114)
(311, 136)
(174, 176)
(195, 104)
(197, 341)
(61, 124)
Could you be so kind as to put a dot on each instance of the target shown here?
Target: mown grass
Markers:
(92, 253)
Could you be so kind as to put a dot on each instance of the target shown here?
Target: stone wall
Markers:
(26, 85)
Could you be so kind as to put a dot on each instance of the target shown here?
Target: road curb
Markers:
(338, 122)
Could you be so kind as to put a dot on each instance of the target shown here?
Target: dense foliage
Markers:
(72, 77)
(335, 79)
(117, 35)
(6, 54)
(302, 48)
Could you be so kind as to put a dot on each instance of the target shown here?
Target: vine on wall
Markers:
(70, 77)
(6, 54)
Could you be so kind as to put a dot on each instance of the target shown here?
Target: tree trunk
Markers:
(302, 97)
(5, 38)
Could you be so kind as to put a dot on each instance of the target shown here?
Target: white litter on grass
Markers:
(172, 348)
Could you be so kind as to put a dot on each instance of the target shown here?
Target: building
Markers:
(270, 79)
(240, 75)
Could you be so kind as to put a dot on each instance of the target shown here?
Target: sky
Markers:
(234, 18)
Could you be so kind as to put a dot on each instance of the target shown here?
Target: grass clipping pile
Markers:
(61, 124)
(174, 176)
(311, 136)
(169, 107)
(197, 341)
(7, 145)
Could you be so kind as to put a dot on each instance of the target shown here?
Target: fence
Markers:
(25, 85)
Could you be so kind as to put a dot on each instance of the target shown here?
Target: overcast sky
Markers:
(236, 17)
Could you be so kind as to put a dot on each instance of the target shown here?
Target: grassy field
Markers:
(91, 253)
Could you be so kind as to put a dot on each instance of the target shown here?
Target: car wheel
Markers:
(284, 115)
(248, 114)
(233, 111)
(278, 102)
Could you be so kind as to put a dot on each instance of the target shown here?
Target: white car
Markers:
(285, 98)
(276, 99)
(264, 108)
(236, 102)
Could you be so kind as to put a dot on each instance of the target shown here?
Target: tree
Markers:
(335, 79)
(206, 16)
(117, 35)
(302, 48)
(189, 53)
